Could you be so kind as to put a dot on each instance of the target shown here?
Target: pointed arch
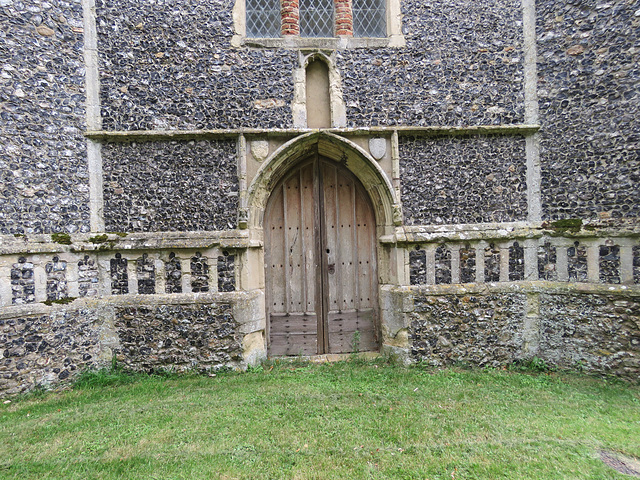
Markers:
(336, 148)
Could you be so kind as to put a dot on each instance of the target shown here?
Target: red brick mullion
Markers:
(290, 17)
(344, 18)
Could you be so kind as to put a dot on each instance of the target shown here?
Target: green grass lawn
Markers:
(348, 420)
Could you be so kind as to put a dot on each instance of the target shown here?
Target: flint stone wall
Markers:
(170, 186)
(597, 333)
(475, 329)
(489, 184)
(462, 65)
(589, 94)
(44, 185)
(46, 349)
(170, 65)
(181, 337)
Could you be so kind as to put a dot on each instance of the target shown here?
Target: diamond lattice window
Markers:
(369, 18)
(263, 18)
(316, 18)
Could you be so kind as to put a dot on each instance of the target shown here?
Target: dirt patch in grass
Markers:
(621, 463)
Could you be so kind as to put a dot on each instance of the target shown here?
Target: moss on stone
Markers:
(60, 301)
(61, 238)
(99, 238)
(572, 223)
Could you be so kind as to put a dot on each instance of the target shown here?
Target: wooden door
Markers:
(320, 263)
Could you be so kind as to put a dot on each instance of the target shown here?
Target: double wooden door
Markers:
(320, 263)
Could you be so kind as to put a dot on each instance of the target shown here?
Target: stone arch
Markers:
(336, 148)
(337, 105)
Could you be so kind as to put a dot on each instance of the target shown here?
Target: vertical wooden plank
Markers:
(354, 247)
(274, 254)
(285, 247)
(293, 253)
(331, 233)
(345, 264)
(310, 254)
(303, 259)
(321, 271)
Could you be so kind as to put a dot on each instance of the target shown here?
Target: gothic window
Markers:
(263, 18)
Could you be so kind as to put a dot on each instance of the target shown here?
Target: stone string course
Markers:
(589, 91)
(44, 184)
(454, 69)
(489, 183)
(170, 186)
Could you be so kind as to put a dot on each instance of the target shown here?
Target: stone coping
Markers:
(539, 286)
(96, 242)
(508, 231)
(32, 309)
(242, 239)
(432, 131)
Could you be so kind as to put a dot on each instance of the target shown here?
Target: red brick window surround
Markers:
(315, 18)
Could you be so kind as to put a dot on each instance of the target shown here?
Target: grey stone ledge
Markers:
(292, 42)
(431, 131)
(515, 230)
(33, 309)
(540, 286)
(92, 242)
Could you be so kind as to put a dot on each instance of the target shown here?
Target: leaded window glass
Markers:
(316, 18)
(263, 18)
(369, 18)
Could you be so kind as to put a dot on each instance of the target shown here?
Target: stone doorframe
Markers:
(384, 199)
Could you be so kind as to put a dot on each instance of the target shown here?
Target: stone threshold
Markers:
(221, 134)
(329, 357)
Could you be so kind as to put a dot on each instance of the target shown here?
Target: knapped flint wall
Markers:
(453, 180)
(181, 337)
(46, 349)
(462, 65)
(589, 91)
(598, 333)
(44, 183)
(170, 186)
(476, 329)
(168, 65)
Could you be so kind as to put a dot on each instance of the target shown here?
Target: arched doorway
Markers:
(320, 262)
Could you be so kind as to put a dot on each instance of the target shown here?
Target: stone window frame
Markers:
(394, 37)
